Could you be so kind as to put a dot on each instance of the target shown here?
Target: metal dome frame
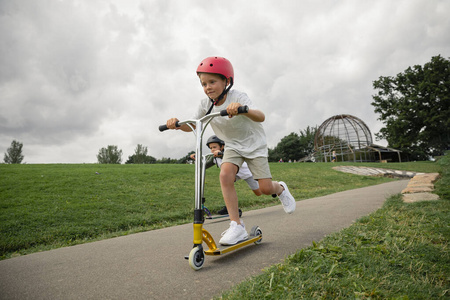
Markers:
(346, 135)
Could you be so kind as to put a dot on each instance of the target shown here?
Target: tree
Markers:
(287, 148)
(275, 154)
(167, 160)
(186, 159)
(294, 146)
(307, 140)
(140, 156)
(147, 160)
(109, 155)
(13, 154)
(415, 109)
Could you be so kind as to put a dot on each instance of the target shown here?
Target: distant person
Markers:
(333, 156)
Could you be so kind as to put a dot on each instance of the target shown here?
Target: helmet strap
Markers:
(225, 91)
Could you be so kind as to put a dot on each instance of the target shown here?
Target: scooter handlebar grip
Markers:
(241, 110)
(164, 127)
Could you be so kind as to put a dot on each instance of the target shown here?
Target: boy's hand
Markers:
(232, 109)
(217, 153)
(171, 123)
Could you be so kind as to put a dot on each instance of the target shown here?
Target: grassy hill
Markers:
(55, 205)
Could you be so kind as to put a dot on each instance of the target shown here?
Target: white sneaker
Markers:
(233, 235)
(242, 223)
(286, 199)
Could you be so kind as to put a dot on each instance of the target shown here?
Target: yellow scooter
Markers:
(197, 255)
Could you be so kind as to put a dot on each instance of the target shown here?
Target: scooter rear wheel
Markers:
(196, 258)
(255, 232)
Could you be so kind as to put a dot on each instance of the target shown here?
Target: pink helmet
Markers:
(216, 65)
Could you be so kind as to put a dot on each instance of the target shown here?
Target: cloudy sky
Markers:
(76, 76)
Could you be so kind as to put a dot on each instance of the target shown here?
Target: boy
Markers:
(245, 140)
(217, 147)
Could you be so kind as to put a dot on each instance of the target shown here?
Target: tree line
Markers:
(414, 107)
(292, 147)
(113, 155)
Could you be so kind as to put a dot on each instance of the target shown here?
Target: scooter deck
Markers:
(244, 243)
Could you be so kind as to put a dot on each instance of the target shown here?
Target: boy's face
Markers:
(215, 146)
(213, 85)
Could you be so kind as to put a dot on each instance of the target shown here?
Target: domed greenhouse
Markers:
(343, 138)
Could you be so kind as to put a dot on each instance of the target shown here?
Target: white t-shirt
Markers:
(239, 133)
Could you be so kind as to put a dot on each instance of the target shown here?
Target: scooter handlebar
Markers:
(241, 110)
(164, 127)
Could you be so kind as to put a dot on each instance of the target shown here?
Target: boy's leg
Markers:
(281, 190)
(227, 176)
(253, 185)
(236, 232)
(269, 187)
(260, 169)
(257, 192)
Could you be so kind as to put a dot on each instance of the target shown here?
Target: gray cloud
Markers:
(78, 76)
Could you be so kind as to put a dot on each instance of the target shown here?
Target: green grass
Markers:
(48, 206)
(399, 252)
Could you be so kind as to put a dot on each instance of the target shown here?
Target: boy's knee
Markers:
(227, 177)
(224, 177)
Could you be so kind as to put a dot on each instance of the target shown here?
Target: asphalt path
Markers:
(151, 265)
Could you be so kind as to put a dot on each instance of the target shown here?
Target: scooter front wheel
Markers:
(196, 258)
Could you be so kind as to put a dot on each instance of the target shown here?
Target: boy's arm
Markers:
(253, 114)
(209, 162)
